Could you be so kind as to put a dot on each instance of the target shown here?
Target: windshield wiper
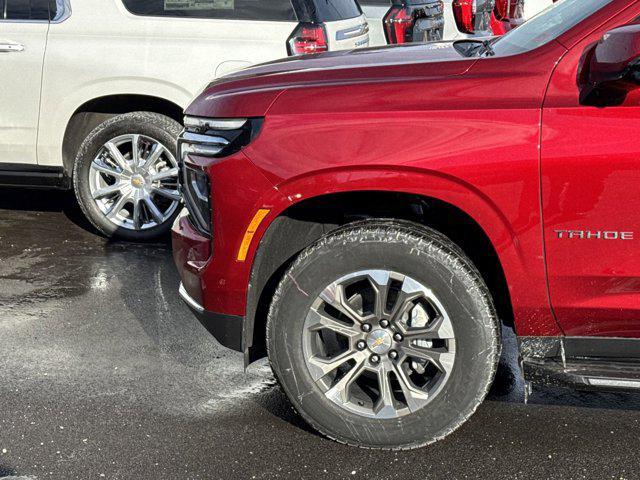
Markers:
(486, 49)
(475, 48)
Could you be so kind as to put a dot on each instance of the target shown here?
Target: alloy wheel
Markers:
(378, 344)
(134, 182)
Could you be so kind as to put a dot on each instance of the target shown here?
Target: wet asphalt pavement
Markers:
(106, 374)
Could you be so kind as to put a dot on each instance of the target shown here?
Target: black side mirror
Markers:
(612, 68)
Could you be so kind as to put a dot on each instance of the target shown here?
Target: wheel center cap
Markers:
(137, 181)
(379, 341)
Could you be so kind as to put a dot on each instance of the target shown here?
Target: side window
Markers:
(25, 9)
(273, 10)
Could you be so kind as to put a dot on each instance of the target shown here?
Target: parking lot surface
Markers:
(106, 374)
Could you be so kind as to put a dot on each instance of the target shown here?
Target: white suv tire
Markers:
(125, 176)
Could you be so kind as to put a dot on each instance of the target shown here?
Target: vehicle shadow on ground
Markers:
(6, 471)
(41, 200)
(38, 200)
(275, 402)
(507, 388)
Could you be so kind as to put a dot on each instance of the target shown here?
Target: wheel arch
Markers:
(307, 220)
(93, 112)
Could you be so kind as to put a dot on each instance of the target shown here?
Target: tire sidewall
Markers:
(153, 125)
(437, 266)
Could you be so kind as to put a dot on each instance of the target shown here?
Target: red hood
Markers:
(250, 92)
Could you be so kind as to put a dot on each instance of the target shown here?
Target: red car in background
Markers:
(507, 15)
(369, 220)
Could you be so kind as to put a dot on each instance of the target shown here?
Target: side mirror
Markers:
(613, 65)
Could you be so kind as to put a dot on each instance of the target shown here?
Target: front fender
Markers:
(517, 245)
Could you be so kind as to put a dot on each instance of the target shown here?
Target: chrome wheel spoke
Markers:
(170, 194)
(135, 149)
(165, 174)
(137, 214)
(153, 209)
(118, 205)
(107, 191)
(117, 157)
(154, 156)
(107, 170)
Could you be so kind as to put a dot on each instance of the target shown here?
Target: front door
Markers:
(591, 202)
(23, 36)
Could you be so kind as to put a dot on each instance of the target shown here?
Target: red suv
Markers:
(368, 220)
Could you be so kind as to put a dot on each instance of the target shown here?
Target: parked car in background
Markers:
(462, 18)
(509, 14)
(93, 90)
(370, 221)
(410, 21)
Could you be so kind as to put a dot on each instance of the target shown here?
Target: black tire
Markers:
(426, 256)
(154, 125)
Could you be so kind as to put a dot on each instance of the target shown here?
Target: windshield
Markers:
(546, 26)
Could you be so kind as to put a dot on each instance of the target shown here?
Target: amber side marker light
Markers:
(251, 231)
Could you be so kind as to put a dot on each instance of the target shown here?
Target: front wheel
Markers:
(126, 176)
(383, 335)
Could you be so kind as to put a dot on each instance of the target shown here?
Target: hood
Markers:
(251, 91)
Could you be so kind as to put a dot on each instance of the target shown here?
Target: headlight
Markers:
(214, 138)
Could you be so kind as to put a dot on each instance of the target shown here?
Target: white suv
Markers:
(93, 90)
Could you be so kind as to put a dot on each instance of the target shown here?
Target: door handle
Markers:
(11, 47)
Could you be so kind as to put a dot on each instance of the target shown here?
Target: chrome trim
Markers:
(11, 48)
(188, 300)
(352, 32)
(200, 150)
(613, 382)
(214, 123)
(202, 145)
(205, 139)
